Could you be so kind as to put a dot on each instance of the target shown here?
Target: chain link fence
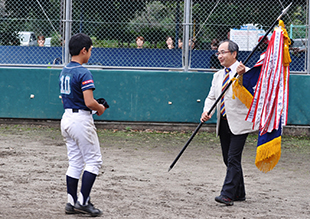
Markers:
(171, 35)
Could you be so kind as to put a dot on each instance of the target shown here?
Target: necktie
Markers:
(224, 85)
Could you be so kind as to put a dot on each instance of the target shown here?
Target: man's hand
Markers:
(240, 69)
(205, 117)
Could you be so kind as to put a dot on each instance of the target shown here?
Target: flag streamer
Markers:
(266, 95)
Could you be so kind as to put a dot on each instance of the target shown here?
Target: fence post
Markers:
(177, 24)
(68, 21)
(186, 37)
(308, 44)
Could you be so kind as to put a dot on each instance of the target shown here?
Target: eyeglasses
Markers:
(221, 53)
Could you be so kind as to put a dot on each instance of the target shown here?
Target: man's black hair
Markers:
(232, 47)
(78, 42)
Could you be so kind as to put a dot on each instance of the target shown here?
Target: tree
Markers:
(123, 20)
(8, 32)
(106, 20)
(27, 15)
(233, 14)
(298, 19)
(155, 22)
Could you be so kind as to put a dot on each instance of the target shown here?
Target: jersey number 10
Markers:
(65, 85)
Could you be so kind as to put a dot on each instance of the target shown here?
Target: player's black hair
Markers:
(78, 42)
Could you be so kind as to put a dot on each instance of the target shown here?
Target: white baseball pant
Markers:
(82, 142)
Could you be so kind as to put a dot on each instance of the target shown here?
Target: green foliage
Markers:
(27, 15)
(122, 21)
(128, 128)
(56, 40)
(298, 19)
(106, 20)
(226, 16)
(233, 14)
(9, 32)
(155, 22)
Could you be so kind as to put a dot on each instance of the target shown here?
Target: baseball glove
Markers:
(103, 102)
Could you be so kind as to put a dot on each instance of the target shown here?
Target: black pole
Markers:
(226, 88)
(185, 146)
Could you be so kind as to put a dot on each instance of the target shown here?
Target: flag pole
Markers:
(226, 88)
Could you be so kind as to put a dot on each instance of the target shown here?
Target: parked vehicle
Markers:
(27, 38)
(300, 44)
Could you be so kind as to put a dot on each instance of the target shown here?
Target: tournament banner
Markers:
(264, 90)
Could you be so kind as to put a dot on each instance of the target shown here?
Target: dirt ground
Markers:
(134, 181)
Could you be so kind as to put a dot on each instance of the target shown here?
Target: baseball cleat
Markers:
(87, 209)
(69, 209)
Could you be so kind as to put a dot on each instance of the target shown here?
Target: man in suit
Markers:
(231, 125)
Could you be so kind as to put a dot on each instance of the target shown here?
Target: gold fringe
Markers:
(241, 93)
(287, 42)
(268, 155)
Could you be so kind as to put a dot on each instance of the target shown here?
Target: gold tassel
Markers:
(268, 155)
(241, 93)
(287, 42)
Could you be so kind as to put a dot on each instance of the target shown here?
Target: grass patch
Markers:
(295, 144)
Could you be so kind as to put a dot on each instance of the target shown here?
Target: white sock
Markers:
(70, 199)
(81, 199)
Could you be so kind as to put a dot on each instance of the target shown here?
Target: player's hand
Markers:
(205, 117)
(101, 110)
(240, 69)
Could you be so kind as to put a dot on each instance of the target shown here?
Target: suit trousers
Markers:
(232, 147)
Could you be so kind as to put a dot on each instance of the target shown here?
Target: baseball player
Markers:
(77, 126)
